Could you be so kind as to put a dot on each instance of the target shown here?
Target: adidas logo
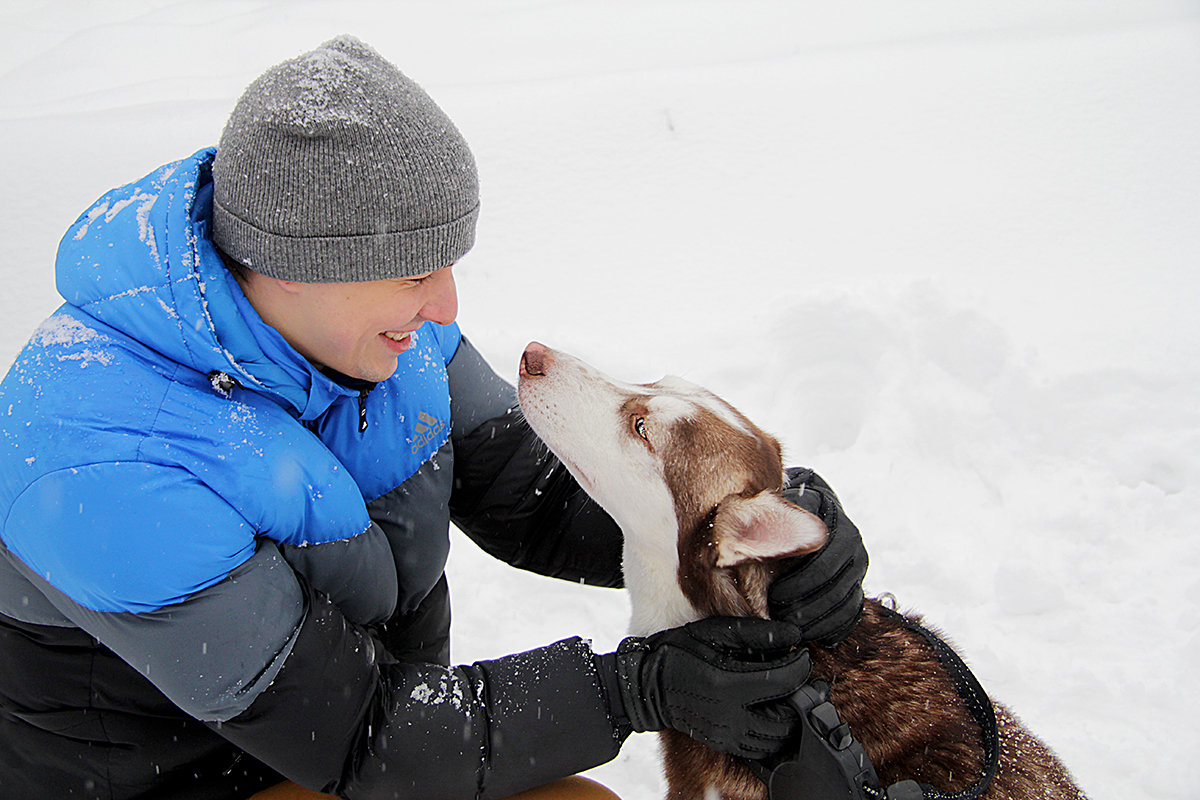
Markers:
(427, 428)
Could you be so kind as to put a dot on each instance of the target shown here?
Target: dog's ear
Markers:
(763, 526)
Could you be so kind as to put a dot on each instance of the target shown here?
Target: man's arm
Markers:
(342, 717)
(512, 496)
(276, 668)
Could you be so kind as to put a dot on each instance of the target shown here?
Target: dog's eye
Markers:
(639, 425)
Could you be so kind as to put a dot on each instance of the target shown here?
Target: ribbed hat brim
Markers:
(368, 257)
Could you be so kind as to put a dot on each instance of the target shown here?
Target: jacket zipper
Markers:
(362, 409)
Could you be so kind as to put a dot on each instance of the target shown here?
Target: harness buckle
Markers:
(829, 763)
(905, 790)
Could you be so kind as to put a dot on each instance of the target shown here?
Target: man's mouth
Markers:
(398, 340)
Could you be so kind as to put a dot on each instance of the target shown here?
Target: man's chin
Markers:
(376, 372)
(381, 374)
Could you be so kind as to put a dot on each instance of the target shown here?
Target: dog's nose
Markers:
(534, 360)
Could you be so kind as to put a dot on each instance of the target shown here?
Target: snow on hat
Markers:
(336, 167)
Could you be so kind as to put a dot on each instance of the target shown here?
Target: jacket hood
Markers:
(141, 260)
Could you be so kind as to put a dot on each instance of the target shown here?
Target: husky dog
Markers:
(695, 487)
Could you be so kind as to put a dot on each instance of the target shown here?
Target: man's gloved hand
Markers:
(822, 593)
(717, 680)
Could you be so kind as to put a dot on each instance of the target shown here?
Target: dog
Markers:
(695, 488)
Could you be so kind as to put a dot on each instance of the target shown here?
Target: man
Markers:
(229, 464)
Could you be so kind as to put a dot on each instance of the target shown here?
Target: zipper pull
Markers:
(222, 383)
(362, 409)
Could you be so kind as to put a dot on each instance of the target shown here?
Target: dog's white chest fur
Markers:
(656, 601)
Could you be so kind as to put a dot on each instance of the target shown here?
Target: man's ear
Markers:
(764, 526)
(286, 287)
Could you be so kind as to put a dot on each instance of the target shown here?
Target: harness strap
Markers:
(978, 703)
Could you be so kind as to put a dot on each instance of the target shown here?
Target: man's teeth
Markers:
(398, 337)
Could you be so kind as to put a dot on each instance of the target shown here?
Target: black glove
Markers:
(822, 593)
(717, 680)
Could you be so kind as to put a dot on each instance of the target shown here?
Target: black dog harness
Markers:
(828, 763)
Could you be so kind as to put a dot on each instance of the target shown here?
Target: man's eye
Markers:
(639, 425)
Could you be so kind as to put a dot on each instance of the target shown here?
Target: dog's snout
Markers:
(535, 360)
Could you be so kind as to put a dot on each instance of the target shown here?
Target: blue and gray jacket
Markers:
(221, 566)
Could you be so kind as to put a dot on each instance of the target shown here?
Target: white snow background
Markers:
(946, 251)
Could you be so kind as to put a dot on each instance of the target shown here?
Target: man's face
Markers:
(358, 328)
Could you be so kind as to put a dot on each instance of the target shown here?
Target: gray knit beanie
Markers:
(336, 167)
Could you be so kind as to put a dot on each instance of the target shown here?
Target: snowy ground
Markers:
(946, 251)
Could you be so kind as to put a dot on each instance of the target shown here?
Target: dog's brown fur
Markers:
(888, 684)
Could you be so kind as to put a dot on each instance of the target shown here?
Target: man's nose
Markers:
(441, 306)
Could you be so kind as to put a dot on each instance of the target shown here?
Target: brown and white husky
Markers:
(695, 487)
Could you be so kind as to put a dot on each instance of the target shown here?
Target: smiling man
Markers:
(230, 461)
